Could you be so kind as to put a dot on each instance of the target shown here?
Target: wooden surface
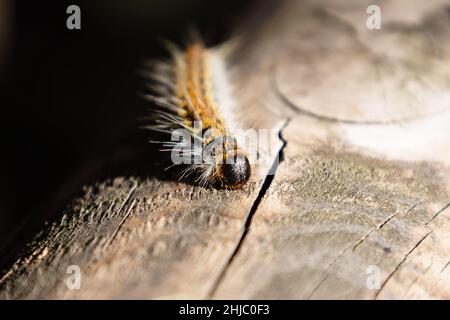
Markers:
(363, 177)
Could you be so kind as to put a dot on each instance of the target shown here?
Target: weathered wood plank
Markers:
(135, 238)
(362, 183)
(330, 214)
(357, 188)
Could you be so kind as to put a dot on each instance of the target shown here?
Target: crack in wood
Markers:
(400, 264)
(127, 214)
(437, 214)
(383, 224)
(445, 267)
(326, 272)
(248, 219)
(417, 279)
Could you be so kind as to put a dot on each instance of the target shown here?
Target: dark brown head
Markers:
(233, 174)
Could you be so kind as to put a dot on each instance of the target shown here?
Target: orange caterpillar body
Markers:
(194, 94)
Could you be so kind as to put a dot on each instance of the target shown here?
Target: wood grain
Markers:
(360, 177)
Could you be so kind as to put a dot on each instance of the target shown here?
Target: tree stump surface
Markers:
(360, 191)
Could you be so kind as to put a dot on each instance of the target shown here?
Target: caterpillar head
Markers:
(231, 166)
(235, 174)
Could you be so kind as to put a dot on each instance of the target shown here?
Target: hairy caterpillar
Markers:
(190, 91)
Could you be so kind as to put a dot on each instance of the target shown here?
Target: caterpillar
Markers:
(190, 91)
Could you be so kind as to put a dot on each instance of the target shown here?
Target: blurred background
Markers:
(68, 96)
